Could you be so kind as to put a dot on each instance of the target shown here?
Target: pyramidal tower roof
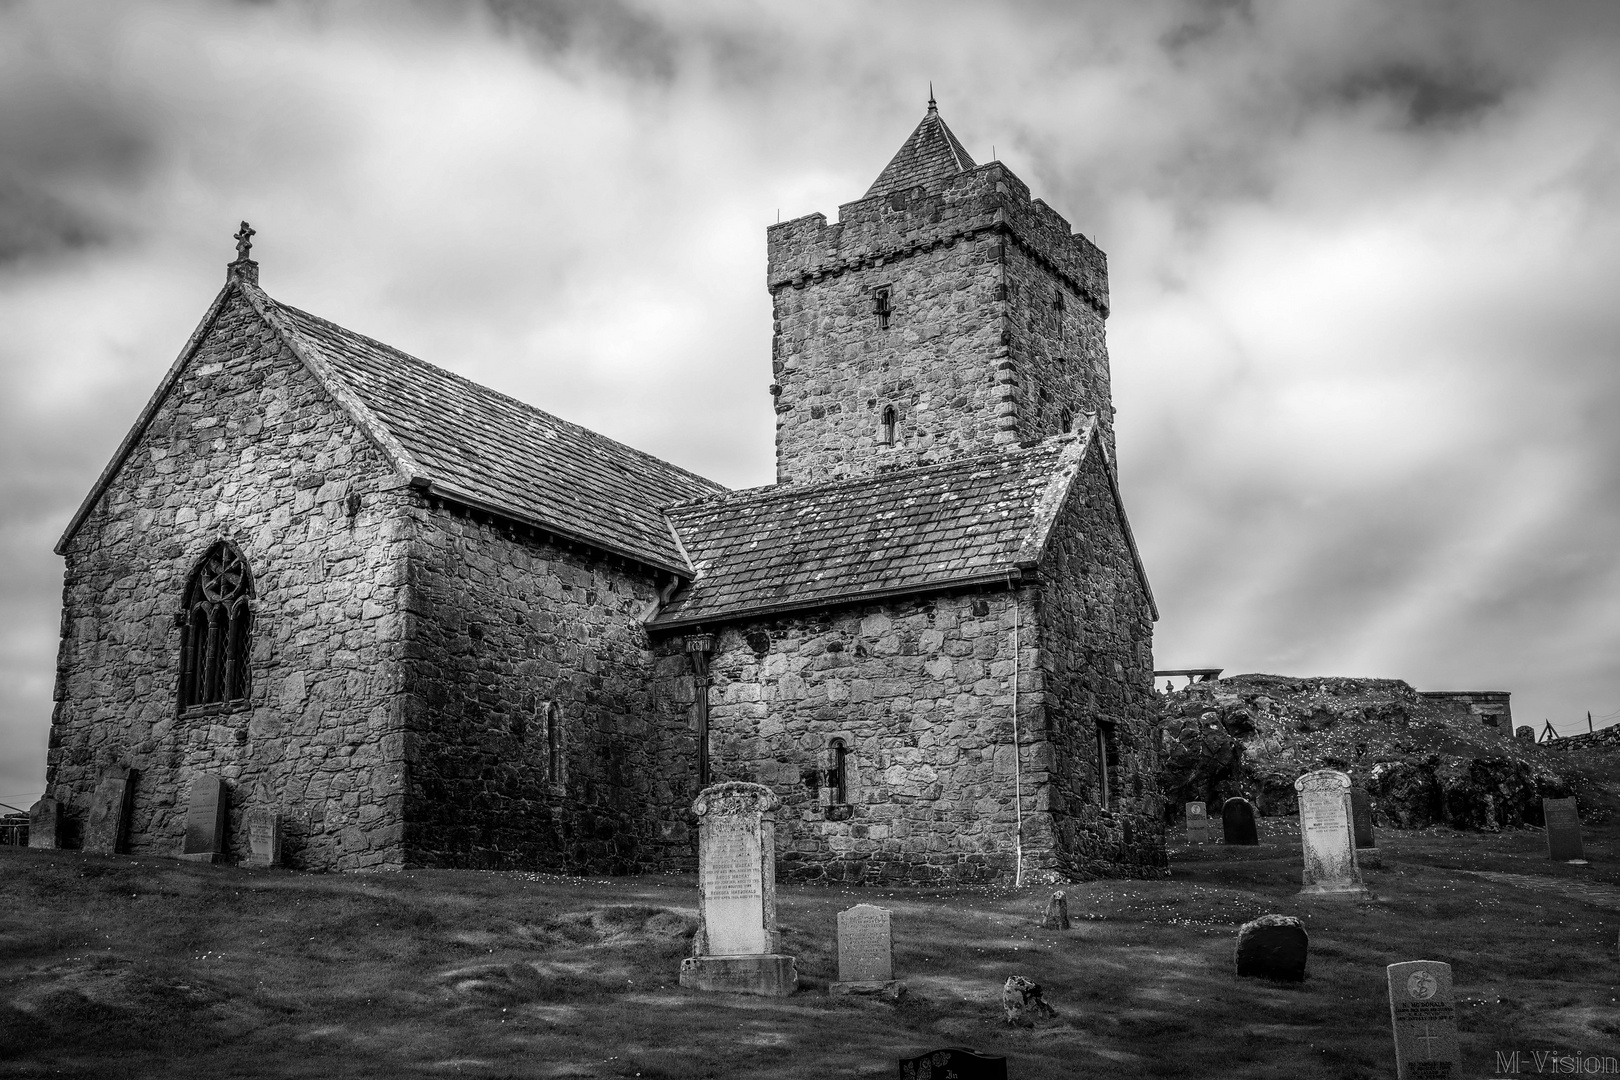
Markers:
(930, 156)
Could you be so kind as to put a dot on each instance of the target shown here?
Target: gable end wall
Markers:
(249, 448)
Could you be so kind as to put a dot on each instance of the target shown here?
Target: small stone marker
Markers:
(45, 824)
(1273, 947)
(1237, 823)
(1057, 912)
(1022, 1002)
(1563, 820)
(1424, 1015)
(953, 1063)
(734, 949)
(1361, 819)
(264, 836)
(1197, 823)
(206, 820)
(1525, 733)
(865, 953)
(109, 812)
(1327, 837)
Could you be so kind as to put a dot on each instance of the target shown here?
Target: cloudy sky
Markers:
(1365, 341)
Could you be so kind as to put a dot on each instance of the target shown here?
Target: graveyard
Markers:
(113, 965)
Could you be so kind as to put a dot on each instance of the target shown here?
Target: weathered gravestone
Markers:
(1197, 823)
(1424, 1016)
(1361, 819)
(865, 953)
(1327, 837)
(1563, 820)
(734, 949)
(1057, 912)
(1273, 947)
(1525, 733)
(1023, 1002)
(104, 829)
(45, 824)
(206, 820)
(953, 1063)
(264, 836)
(1237, 823)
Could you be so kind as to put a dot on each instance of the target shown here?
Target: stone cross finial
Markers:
(244, 241)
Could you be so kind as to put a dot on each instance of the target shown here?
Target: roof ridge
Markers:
(484, 389)
(766, 492)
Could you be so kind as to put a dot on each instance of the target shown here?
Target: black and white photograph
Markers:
(736, 539)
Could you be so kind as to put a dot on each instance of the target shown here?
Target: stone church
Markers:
(431, 625)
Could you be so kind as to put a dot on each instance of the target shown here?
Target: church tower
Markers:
(946, 313)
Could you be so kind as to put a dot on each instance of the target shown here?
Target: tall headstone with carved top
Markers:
(45, 824)
(735, 949)
(206, 819)
(1328, 837)
(1563, 820)
(1197, 823)
(1424, 1016)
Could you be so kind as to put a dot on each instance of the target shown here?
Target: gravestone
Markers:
(1424, 1017)
(1273, 947)
(953, 1063)
(1525, 733)
(1197, 823)
(865, 953)
(1563, 820)
(1057, 912)
(1327, 837)
(1237, 823)
(206, 820)
(45, 824)
(734, 950)
(264, 836)
(1361, 819)
(108, 821)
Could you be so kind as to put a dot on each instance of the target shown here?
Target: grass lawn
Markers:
(120, 966)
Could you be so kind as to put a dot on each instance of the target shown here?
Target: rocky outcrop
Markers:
(1422, 764)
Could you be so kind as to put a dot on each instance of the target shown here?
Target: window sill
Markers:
(842, 812)
(216, 708)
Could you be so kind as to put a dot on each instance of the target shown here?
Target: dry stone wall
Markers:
(504, 623)
(1096, 659)
(248, 448)
(977, 352)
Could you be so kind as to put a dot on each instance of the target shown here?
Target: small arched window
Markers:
(553, 742)
(886, 430)
(217, 623)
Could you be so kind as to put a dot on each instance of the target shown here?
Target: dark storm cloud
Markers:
(1362, 253)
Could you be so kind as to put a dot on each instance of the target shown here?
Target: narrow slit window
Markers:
(838, 775)
(1107, 766)
(1066, 420)
(881, 306)
(886, 430)
(553, 742)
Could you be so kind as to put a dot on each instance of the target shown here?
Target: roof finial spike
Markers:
(932, 107)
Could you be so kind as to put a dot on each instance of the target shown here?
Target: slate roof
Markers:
(976, 519)
(472, 441)
(930, 156)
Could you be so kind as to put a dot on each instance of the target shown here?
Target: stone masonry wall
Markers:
(503, 622)
(1096, 650)
(248, 448)
(922, 693)
(976, 352)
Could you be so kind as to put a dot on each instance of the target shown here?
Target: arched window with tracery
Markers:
(217, 631)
